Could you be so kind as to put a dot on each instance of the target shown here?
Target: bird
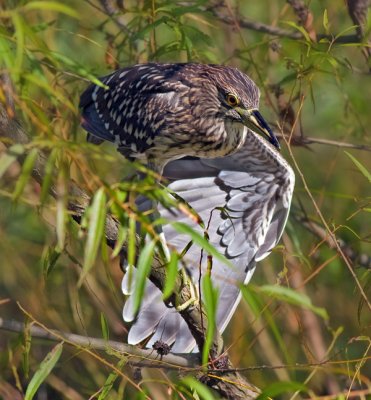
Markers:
(156, 113)
(199, 126)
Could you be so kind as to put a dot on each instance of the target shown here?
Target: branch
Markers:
(362, 259)
(230, 385)
(298, 140)
(137, 357)
(305, 17)
(358, 13)
(271, 30)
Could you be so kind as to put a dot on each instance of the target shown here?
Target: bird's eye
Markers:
(232, 99)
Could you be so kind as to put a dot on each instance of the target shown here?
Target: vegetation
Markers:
(302, 328)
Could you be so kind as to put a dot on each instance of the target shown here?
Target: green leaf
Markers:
(19, 33)
(43, 371)
(293, 297)
(363, 169)
(202, 391)
(28, 164)
(51, 6)
(8, 158)
(132, 241)
(277, 388)
(97, 219)
(150, 27)
(210, 301)
(202, 242)
(171, 274)
(48, 175)
(104, 326)
(300, 29)
(108, 384)
(326, 24)
(49, 259)
(143, 270)
(121, 237)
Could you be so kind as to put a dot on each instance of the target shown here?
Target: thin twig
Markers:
(307, 140)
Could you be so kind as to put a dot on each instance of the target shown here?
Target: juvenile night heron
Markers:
(235, 177)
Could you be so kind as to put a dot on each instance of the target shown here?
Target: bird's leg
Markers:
(194, 299)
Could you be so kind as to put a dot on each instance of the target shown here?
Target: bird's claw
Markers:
(194, 299)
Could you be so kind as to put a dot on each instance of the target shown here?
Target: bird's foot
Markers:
(194, 298)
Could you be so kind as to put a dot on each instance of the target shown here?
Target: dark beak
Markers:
(254, 120)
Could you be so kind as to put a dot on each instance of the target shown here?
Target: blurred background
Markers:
(311, 62)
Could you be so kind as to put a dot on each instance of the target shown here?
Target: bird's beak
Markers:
(254, 120)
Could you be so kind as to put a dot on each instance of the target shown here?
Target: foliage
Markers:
(316, 90)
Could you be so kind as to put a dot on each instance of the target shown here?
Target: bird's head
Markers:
(238, 97)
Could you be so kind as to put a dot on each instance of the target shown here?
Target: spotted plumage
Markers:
(167, 111)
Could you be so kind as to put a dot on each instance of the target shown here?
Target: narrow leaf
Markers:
(210, 300)
(293, 297)
(201, 241)
(326, 24)
(8, 158)
(51, 6)
(143, 270)
(104, 326)
(28, 164)
(43, 371)
(97, 218)
(202, 391)
(273, 390)
(48, 175)
(121, 237)
(171, 274)
(362, 168)
(108, 384)
(61, 214)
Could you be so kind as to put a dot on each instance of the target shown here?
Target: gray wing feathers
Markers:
(244, 212)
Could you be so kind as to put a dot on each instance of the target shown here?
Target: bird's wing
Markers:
(244, 209)
(131, 109)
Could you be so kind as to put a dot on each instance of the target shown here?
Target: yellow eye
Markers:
(232, 100)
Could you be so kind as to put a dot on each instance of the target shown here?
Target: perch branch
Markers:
(137, 356)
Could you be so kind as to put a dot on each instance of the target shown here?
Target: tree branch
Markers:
(137, 357)
(245, 23)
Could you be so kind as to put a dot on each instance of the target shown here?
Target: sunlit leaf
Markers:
(24, 177)
(49, 260)
(277, 388)
(122, 235)
(104, 326)
(51, 6)
(48, 175)
(300, 29)
(43, 371)
(108, 384)
(210, 301)
(143, 270)
(8, 157)
(362, 168)
(97, 219)
(293, 297)
(171, 274)
(201, 241)
(325, 22)
(202, 390)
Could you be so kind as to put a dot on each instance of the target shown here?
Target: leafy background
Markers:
(314, 88)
